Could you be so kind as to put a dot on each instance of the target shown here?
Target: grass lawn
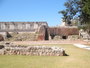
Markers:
(78, 58)
(88, 44)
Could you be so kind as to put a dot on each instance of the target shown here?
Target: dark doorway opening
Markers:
(64, 37)
(8, 35)
(1, 38)
(46, 34)
(52, 36)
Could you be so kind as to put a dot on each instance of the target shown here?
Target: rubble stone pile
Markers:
(11, 49)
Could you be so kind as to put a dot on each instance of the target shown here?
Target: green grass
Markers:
(87, 44)
(78, 58)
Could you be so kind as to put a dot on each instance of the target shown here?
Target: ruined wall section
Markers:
(63, 32)
(11, 49)
(22, 30)
(20, 26)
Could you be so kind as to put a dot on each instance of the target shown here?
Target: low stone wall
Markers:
(10, 49)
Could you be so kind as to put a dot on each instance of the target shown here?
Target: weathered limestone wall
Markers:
(20, 26)
(63, 32)
(9, 49)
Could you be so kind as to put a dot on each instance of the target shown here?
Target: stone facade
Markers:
(63, 32)
(8, 28)
(33, 31)
(20, 26)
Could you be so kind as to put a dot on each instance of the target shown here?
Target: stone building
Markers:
(33, 31)
(20, 26)
(8, 28)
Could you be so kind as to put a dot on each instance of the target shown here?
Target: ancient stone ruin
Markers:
(11, 49)
(84, 35)
(21, 31)
(34, 31)
(63, 32)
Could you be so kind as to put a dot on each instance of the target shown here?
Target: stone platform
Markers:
(11, 49)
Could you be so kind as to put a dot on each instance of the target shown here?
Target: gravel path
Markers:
(74, 42)
(82, 46)
(52, 42)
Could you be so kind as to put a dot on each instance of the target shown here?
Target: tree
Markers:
(85, 15)
(72, 8)
(77, 8)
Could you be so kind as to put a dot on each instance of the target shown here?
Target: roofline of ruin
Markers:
(24, 21)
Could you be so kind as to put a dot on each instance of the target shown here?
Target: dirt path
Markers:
(82, 46)
(52, 42)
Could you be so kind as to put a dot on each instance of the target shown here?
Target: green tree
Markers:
(77, 8)
(85, 14)
(72, 8)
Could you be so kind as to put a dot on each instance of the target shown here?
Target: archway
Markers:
(43, 33)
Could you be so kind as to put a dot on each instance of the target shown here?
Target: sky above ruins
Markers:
(31, 11)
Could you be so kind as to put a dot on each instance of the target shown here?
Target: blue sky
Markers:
(31, 11)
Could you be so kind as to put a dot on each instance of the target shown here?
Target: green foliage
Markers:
(72, 7)
(80, 9)
(82, 27)
(86, 6)
(64, 15)
(86, 27)
(85, 14)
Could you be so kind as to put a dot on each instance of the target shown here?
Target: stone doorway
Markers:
(46, 34)
(43, 33)
(64, 37)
